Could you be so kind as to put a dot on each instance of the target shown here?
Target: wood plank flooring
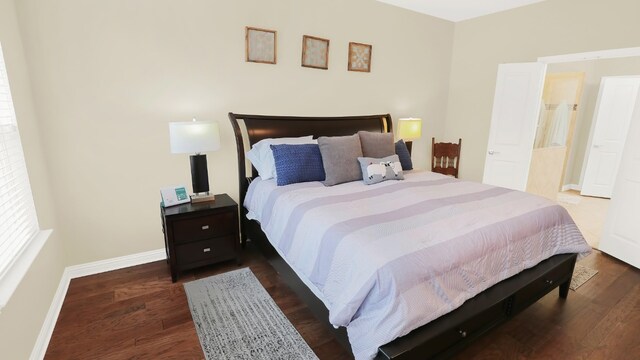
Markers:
(137, 313)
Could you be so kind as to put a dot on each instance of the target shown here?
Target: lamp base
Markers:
(199, 173)
(200, 198)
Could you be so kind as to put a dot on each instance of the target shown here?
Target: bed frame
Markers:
(440, 338)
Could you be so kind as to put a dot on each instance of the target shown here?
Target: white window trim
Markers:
(19, 263)
(14, 275)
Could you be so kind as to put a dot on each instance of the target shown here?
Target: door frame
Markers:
(591, 55)
(586, 56)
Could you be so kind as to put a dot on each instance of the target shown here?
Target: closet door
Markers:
(616, 101)
(621, 235)
(516, 107)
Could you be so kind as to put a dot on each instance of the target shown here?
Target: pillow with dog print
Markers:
(378, 170)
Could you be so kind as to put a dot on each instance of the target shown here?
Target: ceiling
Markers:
(458, 10)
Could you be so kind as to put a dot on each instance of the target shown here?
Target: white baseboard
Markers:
(575, 187)
(121, 262)
(75, 271)
(42, 342)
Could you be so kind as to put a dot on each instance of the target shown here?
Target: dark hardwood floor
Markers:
(137, 313)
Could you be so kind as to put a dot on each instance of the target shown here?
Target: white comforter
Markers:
(391, 257)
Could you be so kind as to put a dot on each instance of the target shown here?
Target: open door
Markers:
(516, 107)
(621, 235)
(616, 101)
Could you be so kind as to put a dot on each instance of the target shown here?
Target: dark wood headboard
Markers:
(260, 127)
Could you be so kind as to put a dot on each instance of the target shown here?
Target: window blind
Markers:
(18, 220)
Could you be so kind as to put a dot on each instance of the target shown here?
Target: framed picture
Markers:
(359, 57)
(260, 45)
(315, 52)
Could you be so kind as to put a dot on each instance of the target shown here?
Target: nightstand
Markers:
(201, 234)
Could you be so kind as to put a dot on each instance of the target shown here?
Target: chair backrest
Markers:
(445, 157)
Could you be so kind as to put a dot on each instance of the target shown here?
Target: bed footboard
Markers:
(452, 332)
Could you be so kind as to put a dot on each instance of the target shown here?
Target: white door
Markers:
(616, 101)
(516, 107)
(621, 235)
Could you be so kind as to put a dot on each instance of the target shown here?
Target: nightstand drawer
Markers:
(206, 250)
(203, 227)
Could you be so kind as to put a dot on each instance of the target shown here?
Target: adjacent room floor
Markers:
(588, 212)
(139, 313)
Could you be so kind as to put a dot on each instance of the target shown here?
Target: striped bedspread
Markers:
(391, 257)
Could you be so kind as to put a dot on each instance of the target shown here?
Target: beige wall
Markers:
(522, 35)
(109, 75)
(594, 71)
(112, 74)
(21, 319)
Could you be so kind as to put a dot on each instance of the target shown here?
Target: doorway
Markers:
(594, 69)
(554, 134)
(590, 212)
(620, 235)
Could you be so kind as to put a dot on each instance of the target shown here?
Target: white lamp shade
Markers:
(409, 128)
(190, 137)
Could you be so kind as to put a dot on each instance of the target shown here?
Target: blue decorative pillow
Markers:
(404, 155)
(297, 163)
(379, 170)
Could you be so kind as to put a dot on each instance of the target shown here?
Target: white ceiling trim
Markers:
(592, 55)
(459, 10)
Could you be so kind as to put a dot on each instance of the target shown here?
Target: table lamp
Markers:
(196, 137)
(409, 129)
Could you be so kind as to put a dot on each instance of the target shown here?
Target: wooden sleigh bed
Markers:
(440, 338)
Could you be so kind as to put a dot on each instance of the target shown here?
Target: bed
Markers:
(402, 265)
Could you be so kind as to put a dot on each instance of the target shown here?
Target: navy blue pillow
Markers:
(404, 155)
(297, 163)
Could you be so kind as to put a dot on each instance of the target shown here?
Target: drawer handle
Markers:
(205, 227)
(206, 250)
(463, 333)
(550, 282)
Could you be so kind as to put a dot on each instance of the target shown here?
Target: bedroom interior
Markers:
(94, 82)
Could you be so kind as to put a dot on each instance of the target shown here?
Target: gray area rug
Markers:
(236, 319)
(581, 274)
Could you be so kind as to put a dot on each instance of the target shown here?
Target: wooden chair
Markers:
(445, 157)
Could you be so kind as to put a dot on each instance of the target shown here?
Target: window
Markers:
(18, 220)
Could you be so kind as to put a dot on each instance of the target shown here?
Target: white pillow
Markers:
(261, 155)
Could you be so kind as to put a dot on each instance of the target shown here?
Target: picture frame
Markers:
(261, 45)
(315, 52)
(359, 57)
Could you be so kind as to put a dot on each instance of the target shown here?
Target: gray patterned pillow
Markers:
(376, 145)
(340, 158)
(379, 170)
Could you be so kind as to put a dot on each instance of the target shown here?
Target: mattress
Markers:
(388, 258)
